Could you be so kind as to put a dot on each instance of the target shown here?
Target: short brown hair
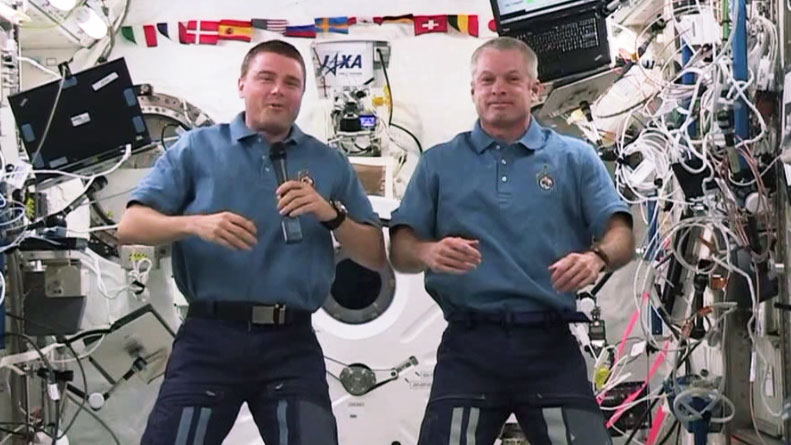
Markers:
(508, 44)
(278, 47)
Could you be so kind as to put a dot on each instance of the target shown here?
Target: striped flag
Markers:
(139, 35)
(406, 18)
(273, 25)
(361, 20)
(173, 31)
(338, 25)
(301, 31)
(241, 30)
(465, 24)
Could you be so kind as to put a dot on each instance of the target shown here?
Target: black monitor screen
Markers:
(96, 116)
(509, 11)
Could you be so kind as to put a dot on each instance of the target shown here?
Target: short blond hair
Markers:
(508, 44)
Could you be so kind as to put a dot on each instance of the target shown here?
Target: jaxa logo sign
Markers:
(332, 64)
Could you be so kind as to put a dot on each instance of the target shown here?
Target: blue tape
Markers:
(140, 125)
(131, 99)
(27, 133)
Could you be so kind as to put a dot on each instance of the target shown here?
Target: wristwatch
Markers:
(335, 223)
(600, 253)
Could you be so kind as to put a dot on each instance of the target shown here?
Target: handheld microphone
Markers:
(292, 230)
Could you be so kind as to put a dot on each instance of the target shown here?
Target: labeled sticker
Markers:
(104, 81)
(80, 119)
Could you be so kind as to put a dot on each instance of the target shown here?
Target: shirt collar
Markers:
(533, 139)
(239, 131)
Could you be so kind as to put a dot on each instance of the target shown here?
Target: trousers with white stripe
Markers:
(217, 365)
(487, 371)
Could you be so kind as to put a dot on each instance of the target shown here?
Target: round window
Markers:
(358, 294)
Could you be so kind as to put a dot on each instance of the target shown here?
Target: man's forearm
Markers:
(144, 225)
(364, 243)
(618, 242)
(405, 248)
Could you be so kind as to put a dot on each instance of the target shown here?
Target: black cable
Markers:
(83, 334)
(95, 184)
(30, 340)
(85, 390)
(162, 133)
(412, 135)
(47, 364)
(10, 432)
(67, 342)
(98, 419)
(597, 287)
(392, 104)
(626, 110)
(319, 73)
(675, 425)
(56, 423)
(684, 359)
(389, 87)
(642, 418)
(64, 340)
(95, 207)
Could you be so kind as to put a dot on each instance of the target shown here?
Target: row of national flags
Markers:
(210, 32)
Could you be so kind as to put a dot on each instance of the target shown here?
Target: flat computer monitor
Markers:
(511, 11)
(569, 37)
(95, 116)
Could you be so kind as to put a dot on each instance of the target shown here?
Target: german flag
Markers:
(241, 30)
(465, 24)
(406, 18)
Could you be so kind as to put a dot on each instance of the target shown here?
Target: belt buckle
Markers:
(263, 315)
(269, 314)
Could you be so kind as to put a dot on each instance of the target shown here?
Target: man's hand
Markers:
(575, 271)
(298, 198)
(451, 255)
(226, 228)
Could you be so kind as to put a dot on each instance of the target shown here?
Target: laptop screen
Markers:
(510, 11)
(96, 115)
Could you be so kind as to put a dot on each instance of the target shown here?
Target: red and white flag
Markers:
(202, 32)
(430, 23)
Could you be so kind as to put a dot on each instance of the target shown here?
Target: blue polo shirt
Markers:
(529, 204)
(226, 167)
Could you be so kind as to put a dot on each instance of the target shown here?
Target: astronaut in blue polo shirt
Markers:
(508, 221)
(248, 337)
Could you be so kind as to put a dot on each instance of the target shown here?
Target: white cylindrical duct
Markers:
(90, 22)
(63, 5)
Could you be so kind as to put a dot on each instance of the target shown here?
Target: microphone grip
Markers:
(292, 229)
(280, 170)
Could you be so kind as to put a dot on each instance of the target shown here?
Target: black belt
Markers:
(542, 318)
(276, 314)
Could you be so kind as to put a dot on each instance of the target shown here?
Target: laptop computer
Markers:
(82, 124)
(568, 36)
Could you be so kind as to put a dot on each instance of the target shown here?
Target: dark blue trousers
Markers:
(217, 365)
(486, 371)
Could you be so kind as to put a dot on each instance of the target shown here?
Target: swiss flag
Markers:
(430, 23)
(200, 31)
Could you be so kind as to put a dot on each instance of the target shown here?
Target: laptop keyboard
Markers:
(563, 38)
